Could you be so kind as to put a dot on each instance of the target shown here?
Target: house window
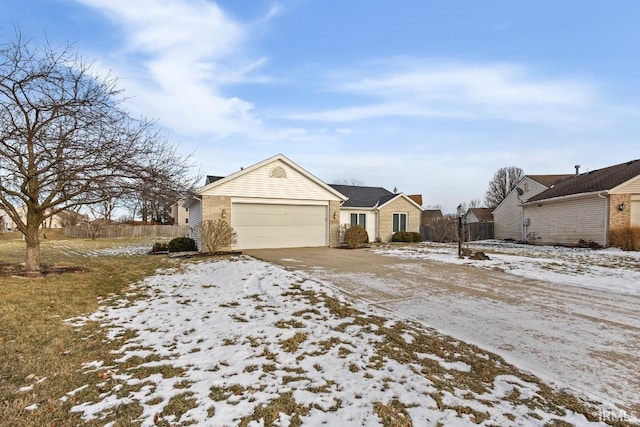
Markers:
(359, 219)
(399, 222)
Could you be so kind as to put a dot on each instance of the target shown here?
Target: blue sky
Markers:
(431, 97)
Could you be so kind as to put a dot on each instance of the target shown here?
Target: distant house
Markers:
(474, 215)
(379, 211)
(65, 218)
(585, 206)
(479, 224)
(430, 216)
(179, 213)
(508, 215)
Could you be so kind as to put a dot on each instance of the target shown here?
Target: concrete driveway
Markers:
(583, 339)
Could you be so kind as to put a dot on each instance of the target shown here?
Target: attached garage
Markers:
(272, 204)
(279, 226)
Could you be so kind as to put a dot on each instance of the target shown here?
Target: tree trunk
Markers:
(32, 238)
(32, 260)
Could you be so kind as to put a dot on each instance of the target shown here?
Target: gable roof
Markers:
(212, 178)
(589, 182)
(362, 197)
(483, 214)
(416, 198)
(216, 180)
(549, 180)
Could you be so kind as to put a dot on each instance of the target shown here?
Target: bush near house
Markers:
(182, 244)
(354, 236)
(160, 247)
(217, 235)
(406, 236)
(625, 238)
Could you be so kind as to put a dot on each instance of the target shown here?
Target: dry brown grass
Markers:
(37, 348)
(625, 238)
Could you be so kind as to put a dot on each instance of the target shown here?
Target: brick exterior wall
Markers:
(619, 218)
(334, 224)
(212, 207)
(385, 218)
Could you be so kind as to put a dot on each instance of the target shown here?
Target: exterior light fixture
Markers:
(621, 207)
(223, 214)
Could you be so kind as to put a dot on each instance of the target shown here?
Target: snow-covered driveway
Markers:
(569, 316)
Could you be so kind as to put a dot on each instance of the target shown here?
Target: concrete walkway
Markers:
(583, 339)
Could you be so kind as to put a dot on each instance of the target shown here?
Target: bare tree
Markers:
(65, 140)
(504, 180)
(165, 177)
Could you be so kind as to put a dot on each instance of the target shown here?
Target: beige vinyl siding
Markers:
(195, 222)
(261, 184)
(345, 219)
(568, 221)
(507, 217)
(632, 186)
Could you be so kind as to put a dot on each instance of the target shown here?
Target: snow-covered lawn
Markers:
(611, 270)
(243, 342)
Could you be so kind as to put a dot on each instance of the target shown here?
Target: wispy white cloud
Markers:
(446, 89)
(176, 59)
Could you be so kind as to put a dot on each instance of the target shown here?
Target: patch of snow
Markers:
(242, 333)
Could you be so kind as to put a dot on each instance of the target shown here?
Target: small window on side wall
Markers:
(359, 219)
(399, 222)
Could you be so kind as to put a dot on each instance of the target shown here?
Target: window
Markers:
(399, 222)
(359, 219)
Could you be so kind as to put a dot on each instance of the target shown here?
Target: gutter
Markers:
(562, 198)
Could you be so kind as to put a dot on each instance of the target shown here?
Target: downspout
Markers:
(602, 195)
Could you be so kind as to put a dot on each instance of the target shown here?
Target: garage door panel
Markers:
(635, 212)
(279, 226)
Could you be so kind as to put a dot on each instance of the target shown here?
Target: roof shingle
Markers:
(596, 180)
(363, 197)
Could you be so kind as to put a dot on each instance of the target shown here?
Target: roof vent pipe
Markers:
(577, 169)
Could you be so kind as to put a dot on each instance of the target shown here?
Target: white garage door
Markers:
(279, 226)
(635, 212)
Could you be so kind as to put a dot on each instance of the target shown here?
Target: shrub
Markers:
(217, 235)
(182, 244)
(590, 244)
(406, 236)
(625, 238)
(160, 247)
(354, 236)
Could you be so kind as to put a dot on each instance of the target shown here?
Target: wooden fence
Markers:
(447, 231)
(126, 230)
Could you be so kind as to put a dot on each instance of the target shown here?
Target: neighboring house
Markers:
(429, 216)
(508, 215)
(272, 204)
(65, 218)
(179, 213)
(474, 215)
(585, 206)
(379, 211)
(479, 224)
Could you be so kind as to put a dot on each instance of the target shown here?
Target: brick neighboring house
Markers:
(585, 206)
(380, 211)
